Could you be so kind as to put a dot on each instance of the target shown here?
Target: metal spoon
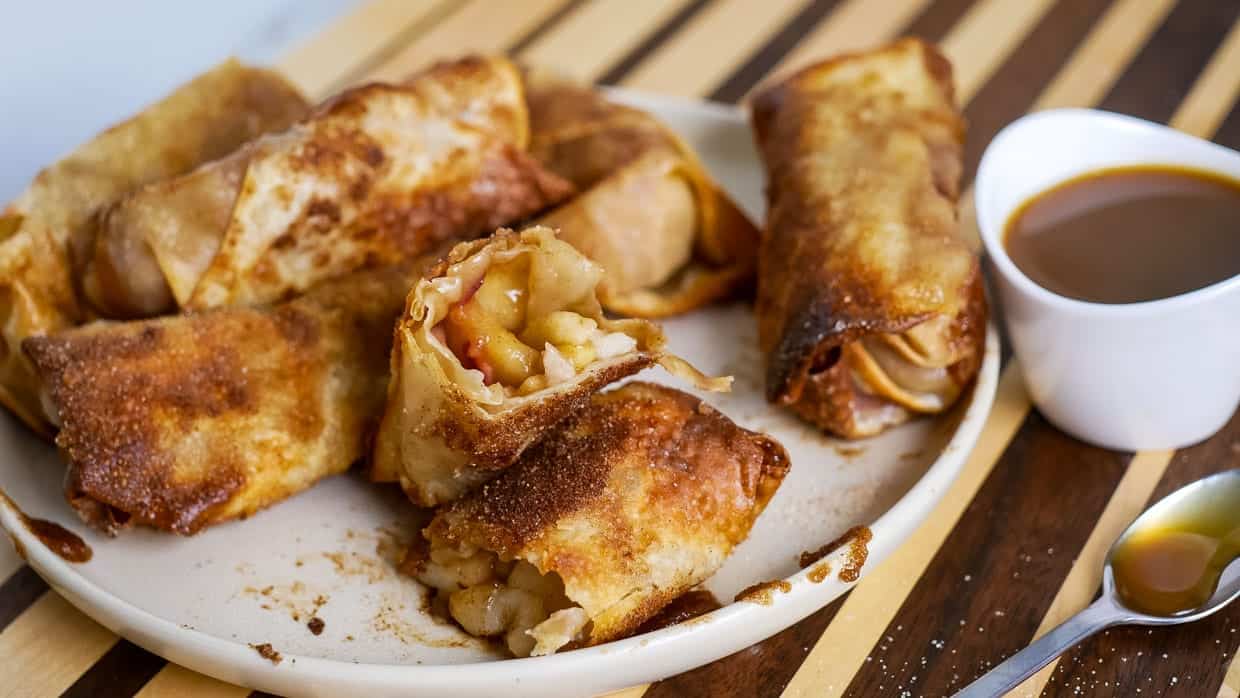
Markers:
(1109, 610)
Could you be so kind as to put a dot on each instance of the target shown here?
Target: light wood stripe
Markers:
(1097, 63)
(483, 26)
(1215, 90)
(867, 610)
(854, 25)
(986, 36)
(634, 692)
(175, 681)
(354, 37)
(48, 647)
(689, 64)
(1231, 682)
(596, 36)
(1078, 588)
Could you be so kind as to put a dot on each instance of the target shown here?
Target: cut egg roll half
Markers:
(501, 341)
(636, 498)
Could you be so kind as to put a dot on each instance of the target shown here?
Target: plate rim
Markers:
(645, 658)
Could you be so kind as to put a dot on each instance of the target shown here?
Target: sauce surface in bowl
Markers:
(1130, 234)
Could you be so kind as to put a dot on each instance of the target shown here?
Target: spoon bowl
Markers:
(1216, 496)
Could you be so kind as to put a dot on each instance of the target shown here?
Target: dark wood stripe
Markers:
(757, 66)
(990, 584)
(625, 65)
(396, 44)
(1229, 132)
(936, 20)
(1187, 660)
(761, 671)
(262, 694)
(20, 590)
(1013, 89)
(543, 27)
(121, 672)
(1162, 73)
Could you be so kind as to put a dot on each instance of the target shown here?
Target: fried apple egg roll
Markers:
(49, 225)
(501, 341)
(629, 503)
(870, 303)
(185, 421)
(667, 237)
(375, 176)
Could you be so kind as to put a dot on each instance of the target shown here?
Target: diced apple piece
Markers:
(579, 355)
(560, 327)
(493, 350)
(503, 293)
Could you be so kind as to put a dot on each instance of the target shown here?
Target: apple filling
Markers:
(524, 318)
(908, 371)
(501, 599)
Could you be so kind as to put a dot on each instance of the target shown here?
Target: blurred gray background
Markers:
(70, 68)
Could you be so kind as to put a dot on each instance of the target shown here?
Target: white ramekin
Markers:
(1160, 374)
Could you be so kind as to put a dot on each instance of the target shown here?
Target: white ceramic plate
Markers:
(202, 601)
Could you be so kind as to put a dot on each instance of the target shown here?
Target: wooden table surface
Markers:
(1016, 544)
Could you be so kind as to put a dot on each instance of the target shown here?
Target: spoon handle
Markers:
(1100, 615)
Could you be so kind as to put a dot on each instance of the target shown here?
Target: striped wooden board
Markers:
(1016, 544)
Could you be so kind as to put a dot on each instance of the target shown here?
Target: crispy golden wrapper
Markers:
(498, 343)
(668, 238)
(46, 229)
(375, 176)
(870, 303)
(628, 504)
(185, 421)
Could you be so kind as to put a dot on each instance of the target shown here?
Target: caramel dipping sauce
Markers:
(1129, 234)
(1174, 565)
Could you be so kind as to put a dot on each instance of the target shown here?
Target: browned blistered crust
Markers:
(338, 192)
(643, 475)
(665, 251)
(857, 147)
(44, 232)
(182, 422)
